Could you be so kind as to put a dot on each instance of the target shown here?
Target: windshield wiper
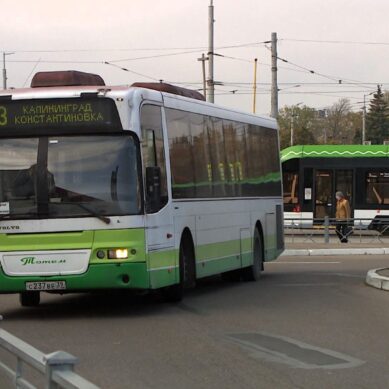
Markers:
(103, 218)
(92, 212)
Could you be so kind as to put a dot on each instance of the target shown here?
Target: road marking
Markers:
(310, 284)
(292, 352)
(307, 262)
(347, 275)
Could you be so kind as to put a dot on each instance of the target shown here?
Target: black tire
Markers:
(253, 272)
(187, 270)
(30, 299)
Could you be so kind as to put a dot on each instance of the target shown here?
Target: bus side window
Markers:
(153, 151)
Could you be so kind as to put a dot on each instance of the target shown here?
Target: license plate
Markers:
(46, 285)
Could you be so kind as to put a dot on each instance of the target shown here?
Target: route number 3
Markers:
(3, 116)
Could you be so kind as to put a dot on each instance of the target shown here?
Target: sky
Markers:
(344, 42)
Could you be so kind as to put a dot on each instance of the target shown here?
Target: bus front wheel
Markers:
(29, 299)
(253, 272)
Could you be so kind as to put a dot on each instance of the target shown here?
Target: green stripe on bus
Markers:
(271, 177)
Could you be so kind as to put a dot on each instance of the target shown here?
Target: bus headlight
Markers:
(118, 254)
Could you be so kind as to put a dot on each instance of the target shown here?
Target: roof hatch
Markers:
(65, 78)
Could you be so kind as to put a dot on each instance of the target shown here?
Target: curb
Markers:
(376, 281)
(329, 252)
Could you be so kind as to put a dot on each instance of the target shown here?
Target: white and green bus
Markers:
(137, 187)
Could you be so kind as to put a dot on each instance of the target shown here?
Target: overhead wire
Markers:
(335, 41)
(131, 71)
(195, 48)
(243, 86)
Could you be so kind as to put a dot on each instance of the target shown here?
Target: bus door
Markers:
(323, 194)
(159, 219)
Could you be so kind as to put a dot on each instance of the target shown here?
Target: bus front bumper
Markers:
(97, 277)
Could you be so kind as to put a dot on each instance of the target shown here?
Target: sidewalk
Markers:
(378, 278)
(334, 247)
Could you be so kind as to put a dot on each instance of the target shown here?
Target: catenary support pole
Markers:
(203, 59)
(274, 84)
(255, 85)
(5, 70)
(292, 127)
(4, 73)
(364, 120)
(211, 85)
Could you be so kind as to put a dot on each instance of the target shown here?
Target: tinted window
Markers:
(201, 155)
(218, 160)
(181, 154)
(211, 157)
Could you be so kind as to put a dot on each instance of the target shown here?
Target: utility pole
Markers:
(255, 85)
(211, 85)
(292, 123)
(274, 84)
(4, 73)
(203, 59)
(364, 117)
(5, 70)
(364, 120)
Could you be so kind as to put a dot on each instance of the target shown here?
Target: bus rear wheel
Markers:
(187, 271)
(253, 272)
(29, 299)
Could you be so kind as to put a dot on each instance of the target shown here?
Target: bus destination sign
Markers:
(91, 114)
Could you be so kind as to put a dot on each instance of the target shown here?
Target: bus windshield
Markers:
(69, 176)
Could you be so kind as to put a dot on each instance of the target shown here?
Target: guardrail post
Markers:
(326, 229)
(58, 361)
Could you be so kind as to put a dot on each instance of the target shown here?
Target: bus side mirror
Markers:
(153, 189)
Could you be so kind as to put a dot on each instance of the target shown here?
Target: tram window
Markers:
(377, 188)
(290, 184)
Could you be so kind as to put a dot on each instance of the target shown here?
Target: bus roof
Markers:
(131, 92)
(334, 151)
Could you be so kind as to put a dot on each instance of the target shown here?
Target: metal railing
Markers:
(324, 230)
(57, 368)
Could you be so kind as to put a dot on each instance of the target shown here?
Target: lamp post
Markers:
(292, 123)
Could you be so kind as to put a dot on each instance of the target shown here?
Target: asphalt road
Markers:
(310, 322)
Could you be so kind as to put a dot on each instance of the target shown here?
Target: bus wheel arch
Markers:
(258, 226)
(253, 272)
(186, 266)
(187, 259)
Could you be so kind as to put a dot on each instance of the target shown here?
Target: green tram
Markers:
(313, 173)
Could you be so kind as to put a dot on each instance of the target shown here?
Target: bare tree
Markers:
(336, 121)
